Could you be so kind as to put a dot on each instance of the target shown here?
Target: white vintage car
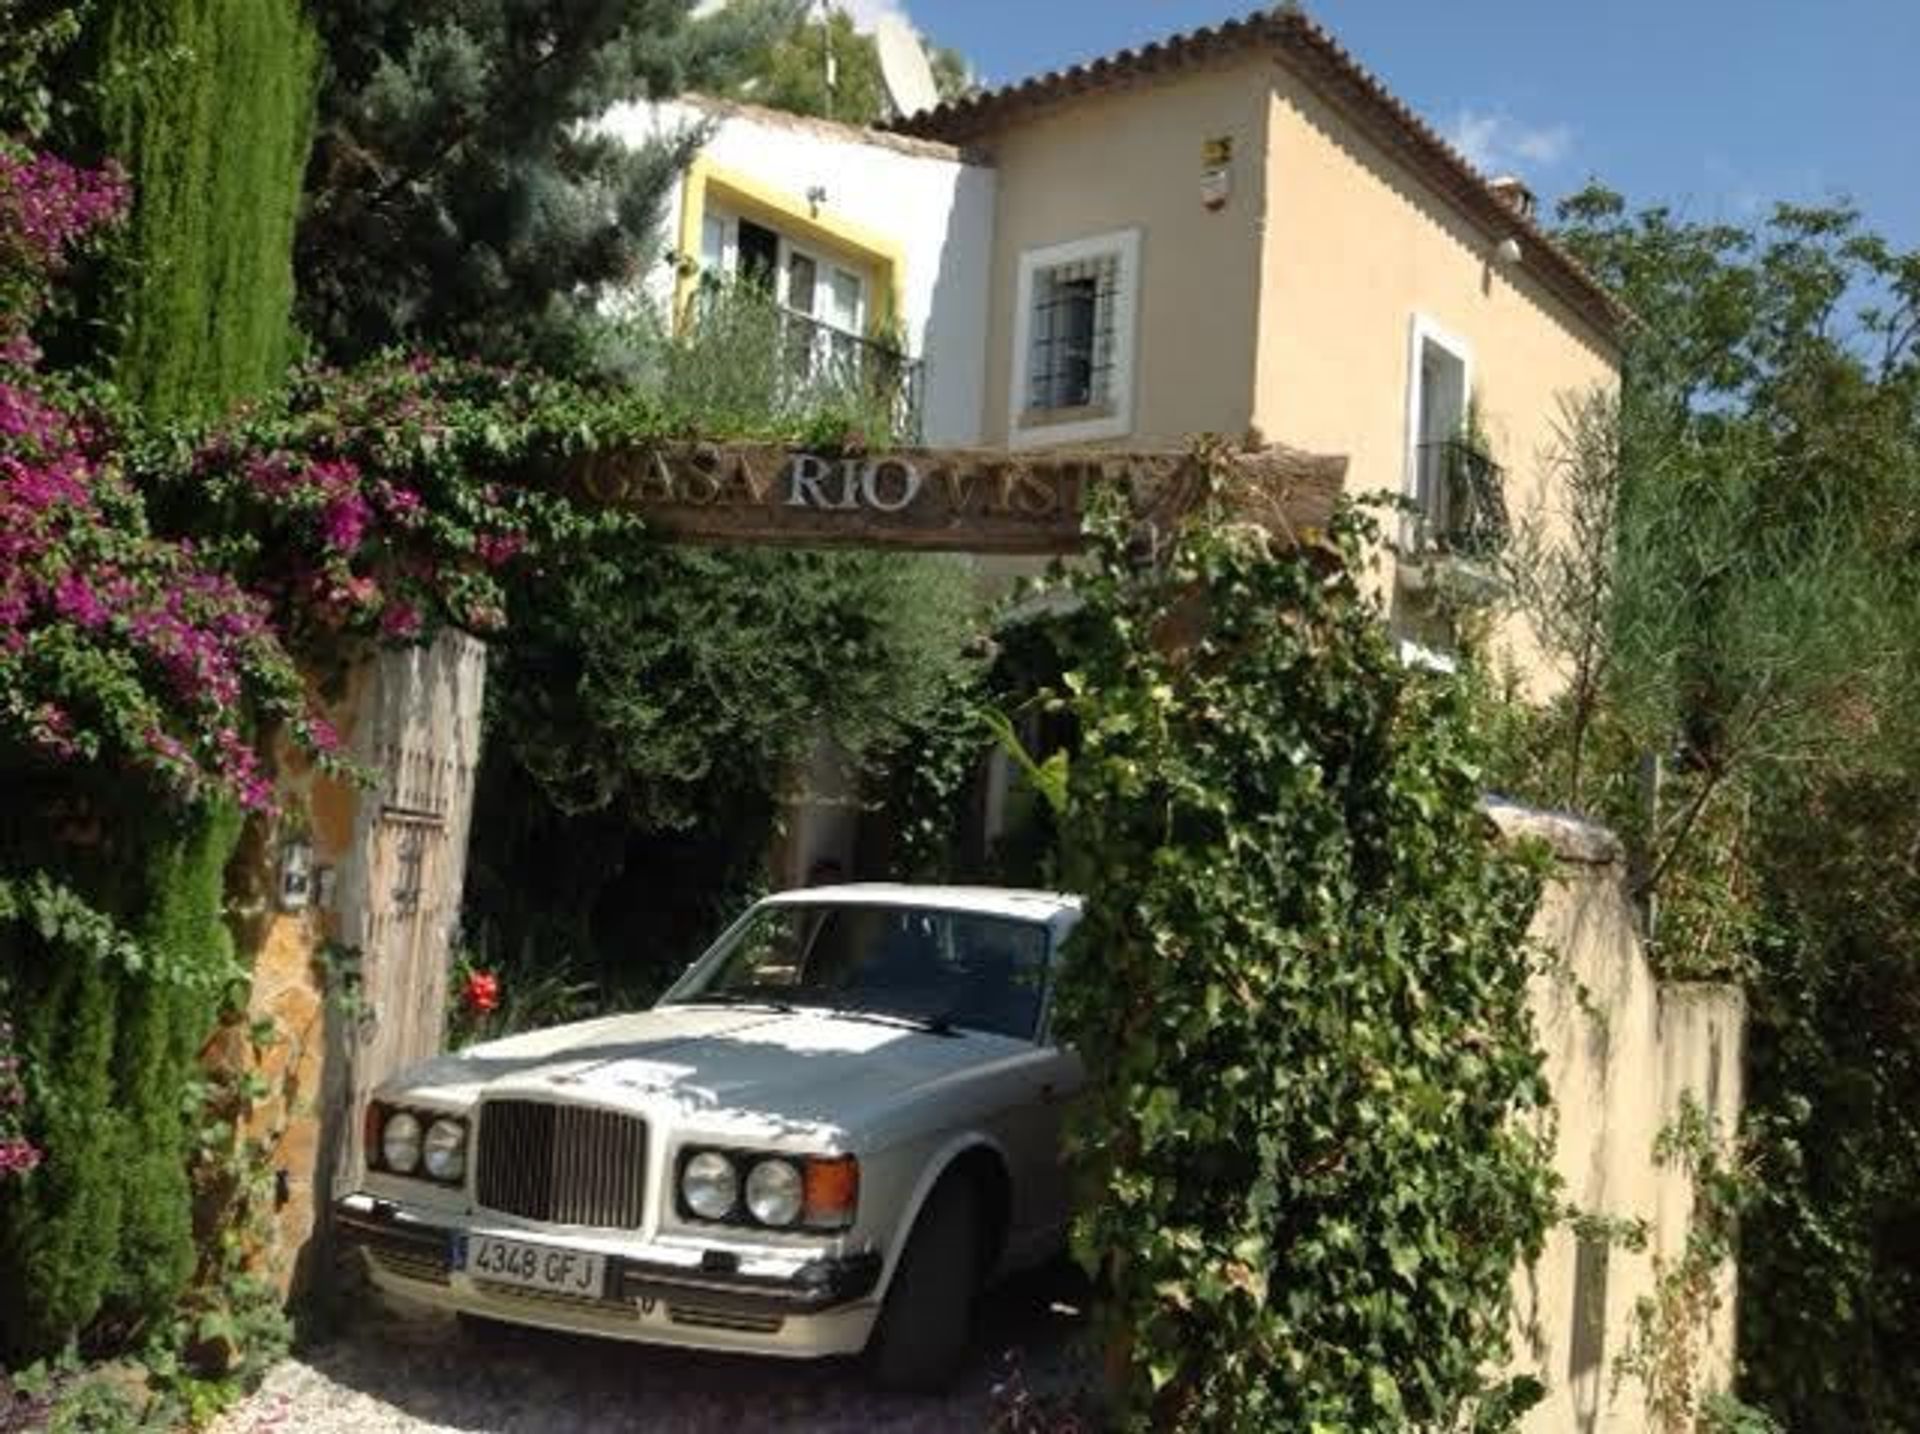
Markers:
(832, 1131)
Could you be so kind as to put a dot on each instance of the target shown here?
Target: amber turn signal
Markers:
(832, 1191)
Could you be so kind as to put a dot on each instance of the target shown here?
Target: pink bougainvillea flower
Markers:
(496, 550)
(75, 600)
(343, 522)
(53, 730)
(403, 505)
(400, 619)
(323, 736)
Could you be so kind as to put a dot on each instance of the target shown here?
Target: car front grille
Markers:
(562, 1164)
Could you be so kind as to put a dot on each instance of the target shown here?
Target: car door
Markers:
(1044, 1091)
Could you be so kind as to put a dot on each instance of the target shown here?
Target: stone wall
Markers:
(352, 979)
(1624, 1053)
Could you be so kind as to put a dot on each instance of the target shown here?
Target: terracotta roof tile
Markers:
(1324, 64)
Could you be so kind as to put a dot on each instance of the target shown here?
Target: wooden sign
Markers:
(940, 499)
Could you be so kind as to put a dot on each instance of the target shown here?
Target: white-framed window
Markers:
(802, 280)
(1439, 396)
(1073, 355)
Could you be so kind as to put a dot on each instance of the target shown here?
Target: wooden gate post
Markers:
(396, 899)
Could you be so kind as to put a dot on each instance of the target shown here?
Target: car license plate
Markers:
(525, 1266)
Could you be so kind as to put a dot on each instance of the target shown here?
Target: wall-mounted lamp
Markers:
(296, 875)
(816, 197)
(1507, 252)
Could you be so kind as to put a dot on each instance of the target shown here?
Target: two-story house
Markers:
(1236, 230)
(1240, 231)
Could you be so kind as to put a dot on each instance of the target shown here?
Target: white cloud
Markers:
(866, 13)
(1494, 141)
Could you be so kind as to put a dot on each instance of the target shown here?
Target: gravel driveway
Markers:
(402, 1370)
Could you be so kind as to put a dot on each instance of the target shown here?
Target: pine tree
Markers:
(458, 197)
(790, 73)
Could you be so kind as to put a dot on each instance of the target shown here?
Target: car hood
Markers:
(718, 1065)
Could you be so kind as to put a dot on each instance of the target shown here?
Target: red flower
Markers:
(482, 993)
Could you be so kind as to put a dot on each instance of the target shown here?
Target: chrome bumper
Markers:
(715, 1294)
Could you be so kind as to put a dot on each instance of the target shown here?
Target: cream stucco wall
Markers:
(1358, 249)
(1132, 159)
(1624, 1053)
(1292, 308)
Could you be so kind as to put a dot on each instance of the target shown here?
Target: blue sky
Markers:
(1718, 107)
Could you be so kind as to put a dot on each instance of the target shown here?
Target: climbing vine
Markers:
(1673, 1324)
(1308, 1159)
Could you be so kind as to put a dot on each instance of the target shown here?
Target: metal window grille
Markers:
(1071, 361)
(1463, 506)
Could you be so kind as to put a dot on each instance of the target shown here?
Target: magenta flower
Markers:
(496, 550)
(53, 730)
(75, 600)
(400, 619)
(343, 523)
(402, 504)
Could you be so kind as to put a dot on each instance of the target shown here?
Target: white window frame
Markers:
(1117, 420)
(823, 268)
(1421, 332)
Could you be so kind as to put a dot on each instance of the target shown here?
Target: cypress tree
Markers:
(208, 105)
(162, 1023)
(102, 1232)
(59, 1227)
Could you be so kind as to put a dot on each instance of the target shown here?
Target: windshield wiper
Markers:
(932, 1025)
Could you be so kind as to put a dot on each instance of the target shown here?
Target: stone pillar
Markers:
(353, 983)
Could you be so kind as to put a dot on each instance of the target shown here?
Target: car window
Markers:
(970, 970)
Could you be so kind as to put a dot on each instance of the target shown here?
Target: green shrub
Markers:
(162, 1026)
(1308, 1157)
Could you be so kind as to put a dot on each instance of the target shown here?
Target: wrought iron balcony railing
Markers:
(821, 363)
(1462, 501)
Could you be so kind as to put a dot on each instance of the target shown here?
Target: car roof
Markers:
(1026, 905)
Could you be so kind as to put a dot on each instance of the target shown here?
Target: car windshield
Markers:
(944, 969)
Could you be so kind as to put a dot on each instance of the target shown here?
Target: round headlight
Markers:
(709, 1185)
(445, 1151)
(775, 1192)
(400, 1143)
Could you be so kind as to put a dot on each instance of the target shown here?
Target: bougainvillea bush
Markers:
(48, 210)
(387, 502)
(117, 647)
